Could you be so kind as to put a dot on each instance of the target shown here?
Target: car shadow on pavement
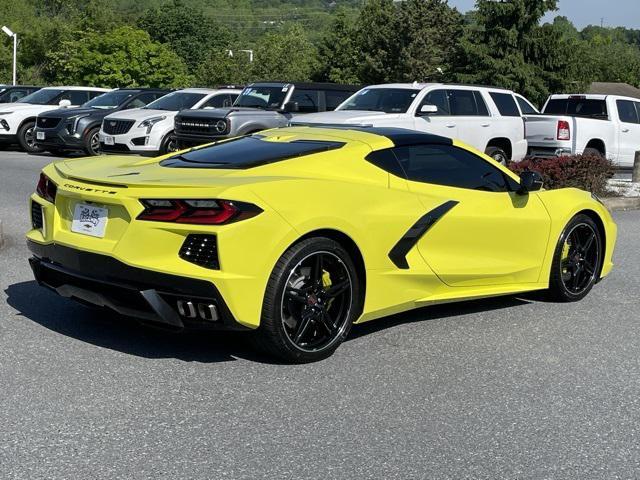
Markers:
(110, 330)
(437, 312)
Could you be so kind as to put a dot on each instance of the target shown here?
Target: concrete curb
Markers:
(621, 203)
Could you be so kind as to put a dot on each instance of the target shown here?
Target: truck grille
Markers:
(198, 125)
(47, 122)
(201, 250)
(117, 127)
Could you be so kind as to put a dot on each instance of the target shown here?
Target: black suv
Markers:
(71, 129)
(14, 93)
(260, 106)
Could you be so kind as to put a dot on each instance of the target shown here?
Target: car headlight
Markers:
(72, 123)
(150, 122)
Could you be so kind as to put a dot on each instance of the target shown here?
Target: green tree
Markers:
(218, 68)
(124, 57)
(377, 38)
(503, 46)
(339, 54)
(428, 39)
(190, 33)
(287, 54)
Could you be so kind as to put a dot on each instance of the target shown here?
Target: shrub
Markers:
(587, 172)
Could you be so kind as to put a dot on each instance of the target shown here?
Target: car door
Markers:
(440, 122)
(483, 233)
(472, 116)
(629, 131)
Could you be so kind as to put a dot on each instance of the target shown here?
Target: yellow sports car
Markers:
(297, 233)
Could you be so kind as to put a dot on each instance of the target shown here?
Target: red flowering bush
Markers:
(587, 172)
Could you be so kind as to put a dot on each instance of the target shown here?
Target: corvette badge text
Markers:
(85, 189)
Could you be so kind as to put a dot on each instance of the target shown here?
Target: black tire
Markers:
(592, 152)
(577, 260)
(91, 142)
(322, 300)
(169, 144)
(498, 154)
(27, 139)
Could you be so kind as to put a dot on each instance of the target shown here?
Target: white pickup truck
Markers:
(606, 125)
(489, 119)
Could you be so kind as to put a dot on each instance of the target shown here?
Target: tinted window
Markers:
(308, 100)
(109, 100)
(440, 99)
(93, 94)
(526, 107)
(481, 104)
(506, 104)
(264, 97)
(577, 106)
(627, 111)
(246, 152)
(333, 98)
(452, 166)
(176, 101)
(463, 103)
(388, 100)
(219, 101)
(76, 97)
(386, 160)
(13, 95)
(142, 100)
(43, 97)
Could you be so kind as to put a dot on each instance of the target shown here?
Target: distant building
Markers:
(610, 88)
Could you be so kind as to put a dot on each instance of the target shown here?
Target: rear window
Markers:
(506, 104)
(247, 152)
(579, 107)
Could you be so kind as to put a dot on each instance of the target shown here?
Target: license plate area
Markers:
(109, 140)
(40, 136)
(90, 220)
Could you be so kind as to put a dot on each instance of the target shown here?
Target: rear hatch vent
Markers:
(201, 250)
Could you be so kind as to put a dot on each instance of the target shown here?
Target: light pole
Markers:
(8, 31)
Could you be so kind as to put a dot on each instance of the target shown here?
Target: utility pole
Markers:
(10, 33)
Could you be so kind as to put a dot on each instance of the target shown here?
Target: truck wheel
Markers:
(498, 154)
(592, 152)
(169, 144)
(92, 142)
(27, 138)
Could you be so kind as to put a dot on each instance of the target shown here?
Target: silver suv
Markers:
(260, 106)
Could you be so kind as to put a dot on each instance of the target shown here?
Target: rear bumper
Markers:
(171, 300)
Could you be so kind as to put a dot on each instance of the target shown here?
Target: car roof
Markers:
(310, 85)
(376, 137)
(66, 87)
(422, 86)
(200, 90)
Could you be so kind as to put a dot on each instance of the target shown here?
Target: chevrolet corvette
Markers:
(298, 233)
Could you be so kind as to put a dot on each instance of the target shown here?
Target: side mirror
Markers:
(530, 182)
(64, 103)
(427, 109)
(290, 107)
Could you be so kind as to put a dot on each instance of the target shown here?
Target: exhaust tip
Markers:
(204, 311)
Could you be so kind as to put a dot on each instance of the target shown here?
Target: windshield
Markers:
(247, 152)
(265, 98)
(42, 97)
(109, 100)
(388, 100)
(176, 101)
(577, 106)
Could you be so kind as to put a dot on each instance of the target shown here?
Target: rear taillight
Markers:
(46, 188)
(564, 132)
(198, 212)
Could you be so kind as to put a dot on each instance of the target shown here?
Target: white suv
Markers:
(150, 129)
(489, 119)
(17, 120)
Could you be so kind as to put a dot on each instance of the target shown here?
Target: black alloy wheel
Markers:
(311, 302)
(577, 260)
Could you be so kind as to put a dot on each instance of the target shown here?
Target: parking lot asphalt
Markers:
(501, 388)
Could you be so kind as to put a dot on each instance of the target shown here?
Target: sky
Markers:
(623, 13)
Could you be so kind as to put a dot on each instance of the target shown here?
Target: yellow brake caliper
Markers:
(565, 255)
